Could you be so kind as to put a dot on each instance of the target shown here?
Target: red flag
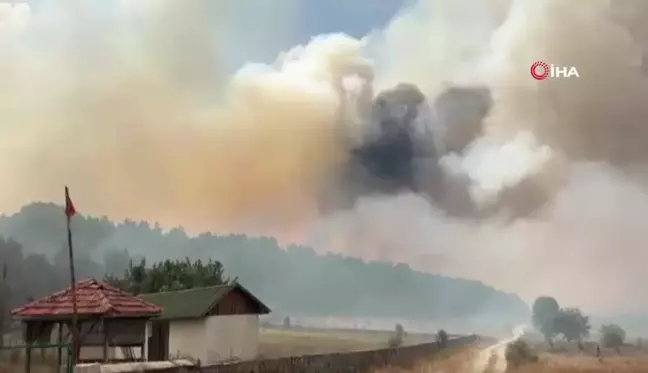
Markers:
(69, 206)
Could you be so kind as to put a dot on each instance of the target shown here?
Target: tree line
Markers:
(293, 280)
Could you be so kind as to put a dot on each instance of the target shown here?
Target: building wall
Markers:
(187, 339)
(231, 337)
(235, 303)
(114, 353)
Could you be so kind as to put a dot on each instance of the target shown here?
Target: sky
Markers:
(311, 18)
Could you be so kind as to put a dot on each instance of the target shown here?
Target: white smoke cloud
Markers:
(494, 164)
(575, 250)
(14, 17)
(431, 41)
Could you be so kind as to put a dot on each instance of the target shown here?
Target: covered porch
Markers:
(111, 324)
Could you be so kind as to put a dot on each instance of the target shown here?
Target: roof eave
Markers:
(63, 317)
(179, 318)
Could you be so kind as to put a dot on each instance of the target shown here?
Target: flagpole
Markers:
(75, 336)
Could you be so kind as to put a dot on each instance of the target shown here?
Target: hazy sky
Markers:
(311, 18)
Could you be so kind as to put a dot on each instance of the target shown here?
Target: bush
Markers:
(399, 330)
(612, 336)
(519, 352)
(442, 338)
(396, 340)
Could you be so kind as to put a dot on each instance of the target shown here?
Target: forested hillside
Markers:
(292, 280)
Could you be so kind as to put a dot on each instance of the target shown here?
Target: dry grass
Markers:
(295, 342)
(471, 361)
(450, 361)
(586, 364)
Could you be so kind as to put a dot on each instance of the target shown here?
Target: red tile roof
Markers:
(93, 298)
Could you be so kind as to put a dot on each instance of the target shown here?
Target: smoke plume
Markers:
(426, 142)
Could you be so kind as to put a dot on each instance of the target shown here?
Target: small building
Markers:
(110, 322)
(211, 324)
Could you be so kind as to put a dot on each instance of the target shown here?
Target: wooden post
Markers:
(60, 342)
(104, 328)
(28, 342)
(28, 358)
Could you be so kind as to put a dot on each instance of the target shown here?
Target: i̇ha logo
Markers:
(541, 70)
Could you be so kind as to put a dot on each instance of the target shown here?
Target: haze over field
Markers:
(475, 170)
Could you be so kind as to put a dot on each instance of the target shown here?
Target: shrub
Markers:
(399, 330)
(612, 336)
(442, 338)
(396, 340)
(519, 352)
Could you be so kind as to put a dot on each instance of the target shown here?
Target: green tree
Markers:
(612, 336)
(396, 340)
(545, 310)
(572, 324)
(442, 338)
(168, 276)
(399, 330)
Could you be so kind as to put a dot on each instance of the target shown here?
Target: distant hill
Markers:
(293, 280)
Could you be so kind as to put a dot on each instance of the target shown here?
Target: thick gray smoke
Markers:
(400, 152)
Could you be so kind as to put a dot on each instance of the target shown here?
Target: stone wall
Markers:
(353, 362)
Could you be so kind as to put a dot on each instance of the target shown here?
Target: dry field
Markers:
(276, 342)
(474, 361)
(280, 342)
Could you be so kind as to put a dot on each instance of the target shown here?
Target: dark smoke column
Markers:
(388, 157)
(385, 162)
(399, 152)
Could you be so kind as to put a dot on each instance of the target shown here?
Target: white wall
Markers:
(234, 336)
(187, 339)
(96, 353)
